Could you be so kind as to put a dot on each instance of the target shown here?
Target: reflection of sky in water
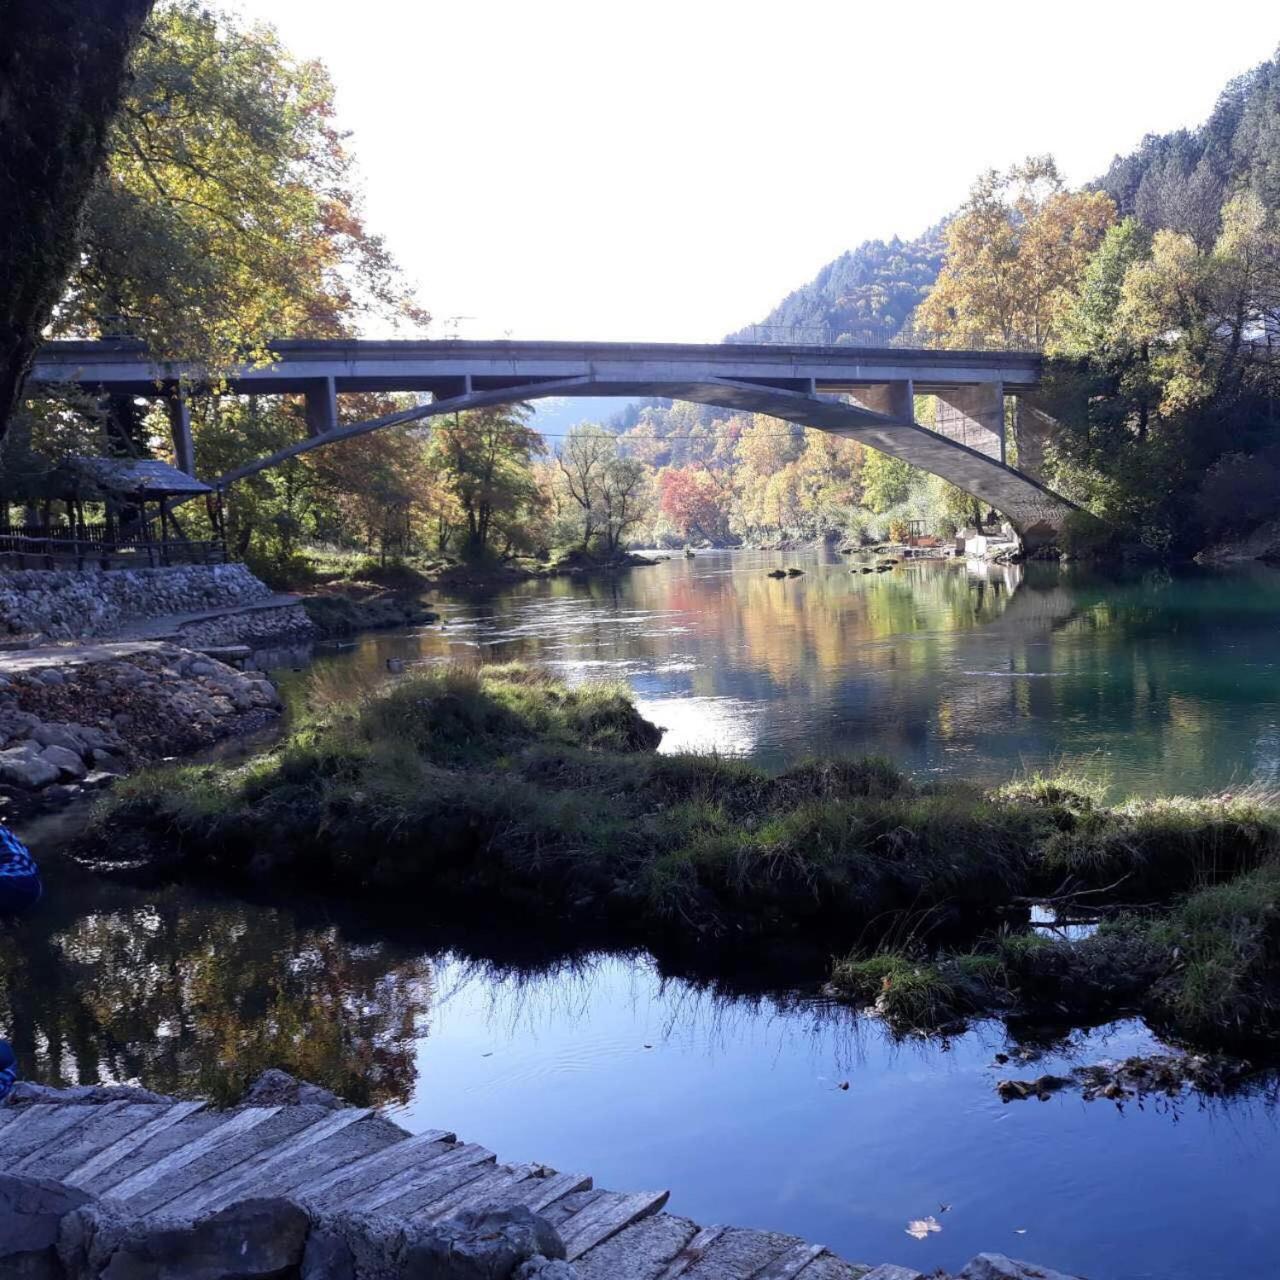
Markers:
(736, 1107)
(1150, 682)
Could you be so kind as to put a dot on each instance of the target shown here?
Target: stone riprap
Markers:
(258, 628)
(75, 718)
(70, 605)
(121, 1184)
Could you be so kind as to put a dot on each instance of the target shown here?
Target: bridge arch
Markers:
(1035, 512)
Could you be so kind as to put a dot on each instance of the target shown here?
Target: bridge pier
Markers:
(893, 399)
(184, 450)
(322, 405)
(974, 416)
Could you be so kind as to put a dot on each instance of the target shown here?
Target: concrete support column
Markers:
(322, 406)
(184, 449)
(974, 416)
(1032, 430)
(895, 399)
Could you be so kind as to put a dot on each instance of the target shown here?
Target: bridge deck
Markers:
(439, 367)
(181, 1160)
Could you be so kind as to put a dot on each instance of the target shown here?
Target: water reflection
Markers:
(730, 1097)
(197, 994)
(1151, 681)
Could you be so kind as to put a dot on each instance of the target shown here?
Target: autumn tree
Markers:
(1015, 256)
(227, 214)
(62, 67)
(485, 462)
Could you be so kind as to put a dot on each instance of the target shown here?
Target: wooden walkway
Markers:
(181, 1160)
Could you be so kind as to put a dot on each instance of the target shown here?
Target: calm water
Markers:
(1152, 682)
(732, 1099)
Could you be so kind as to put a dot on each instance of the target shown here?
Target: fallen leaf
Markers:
(922, 1227)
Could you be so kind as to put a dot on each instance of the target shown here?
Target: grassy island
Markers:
(504, 795)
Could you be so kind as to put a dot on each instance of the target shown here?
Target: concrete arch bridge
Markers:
(865, 394)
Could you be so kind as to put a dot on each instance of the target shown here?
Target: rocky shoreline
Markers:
(73, 719)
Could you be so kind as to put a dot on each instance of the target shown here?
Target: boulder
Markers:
(30, 1212)
(249, 1240)
(23, 767)
(276, 1088)
(891, 1271)
(481, 1244)
(58, 735)
(66, 761)
(995, 1266)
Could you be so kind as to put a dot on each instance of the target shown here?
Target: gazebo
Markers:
(138, 528)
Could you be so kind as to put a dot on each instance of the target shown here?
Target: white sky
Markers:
(579, 169)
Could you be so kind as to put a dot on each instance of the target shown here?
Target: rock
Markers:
(540, 1268)
(61, 793)
(482, 1244)
(51, 676)
(1262, 544)
(23, 767)
(890, 1271)
(276, 1088)
(106, 762)
(97, 779)
(248, 1240)
(66, 761)
(58, 735)
(25, 1092)
(328, 1255)
(995, 1266)
(30, 1212)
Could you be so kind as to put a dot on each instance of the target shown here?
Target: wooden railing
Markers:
(105, 545)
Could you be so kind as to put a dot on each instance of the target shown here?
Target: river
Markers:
(726, 1093)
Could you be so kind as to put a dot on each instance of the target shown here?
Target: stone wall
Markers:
(258, 628)
(68, 604)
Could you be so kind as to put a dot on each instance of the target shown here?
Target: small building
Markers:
(134, 525)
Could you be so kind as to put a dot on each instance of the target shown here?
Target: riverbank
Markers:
(548, 804)
(76, 718)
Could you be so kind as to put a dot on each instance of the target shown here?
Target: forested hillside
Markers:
(1180, 181)
(862, 298)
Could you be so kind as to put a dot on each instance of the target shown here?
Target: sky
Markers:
(563, 169)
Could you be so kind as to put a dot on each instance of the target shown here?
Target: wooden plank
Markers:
(47, 1124)
(466, 1158)
(360, 1172)
(75, 1145)
(605, 1217)
(253, 1175)
(692, 1252)
(471, 1195)
(236, 1124)
(790, 1263)
(85, 1173)
(538, 1194)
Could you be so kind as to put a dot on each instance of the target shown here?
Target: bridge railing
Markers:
(906, 337)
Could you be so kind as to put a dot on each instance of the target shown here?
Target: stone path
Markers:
(169, 627)
(184, 1159)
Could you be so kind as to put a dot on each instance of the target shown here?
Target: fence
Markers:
(101, 545)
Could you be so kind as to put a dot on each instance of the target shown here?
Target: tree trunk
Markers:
(62, 69)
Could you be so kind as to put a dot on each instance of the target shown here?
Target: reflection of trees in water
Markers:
(198, 997)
